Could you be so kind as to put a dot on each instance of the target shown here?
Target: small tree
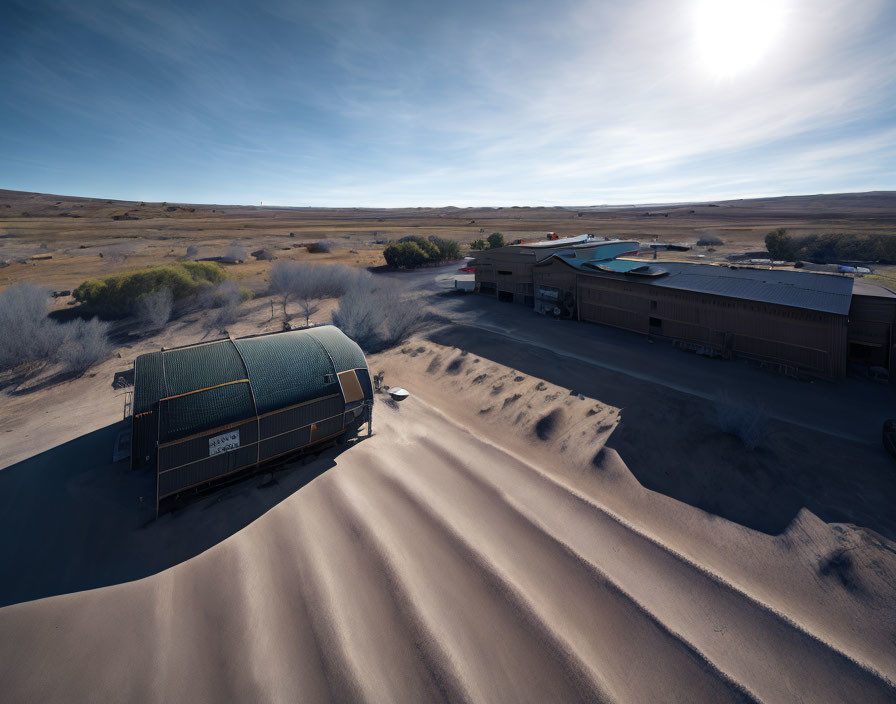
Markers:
(478, 244)
(495, 240)
(308, 285)
(284, 277)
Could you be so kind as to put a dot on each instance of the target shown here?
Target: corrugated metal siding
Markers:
(191, 368)
(196, 449)
(149, 382)
(809, 340)
(287, 442)
(287, 369)
(209, 392)
(286, 420)
(186, 415)
(176, 480)
(344, 352)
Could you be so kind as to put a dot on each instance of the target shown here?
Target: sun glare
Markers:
(732, 36)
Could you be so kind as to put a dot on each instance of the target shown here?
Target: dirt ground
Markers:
(554, 514)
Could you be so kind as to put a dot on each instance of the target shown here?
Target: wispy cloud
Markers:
(397, 103)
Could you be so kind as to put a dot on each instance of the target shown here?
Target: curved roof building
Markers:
(207, 410)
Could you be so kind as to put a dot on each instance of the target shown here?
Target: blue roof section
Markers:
(620, 266)
(827, 293)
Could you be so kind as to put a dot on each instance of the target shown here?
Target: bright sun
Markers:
(732, 36)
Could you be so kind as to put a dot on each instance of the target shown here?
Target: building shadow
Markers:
(673, 443)
(71, 519)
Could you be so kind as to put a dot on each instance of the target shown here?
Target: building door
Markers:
(655, 326)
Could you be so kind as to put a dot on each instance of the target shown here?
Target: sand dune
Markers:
(503, 563)
(428, 565)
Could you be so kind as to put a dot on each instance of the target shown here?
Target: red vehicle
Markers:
(468, 269)
(553, 236)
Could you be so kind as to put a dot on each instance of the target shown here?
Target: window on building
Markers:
(653, 305)
(656, 323)
(505, 273)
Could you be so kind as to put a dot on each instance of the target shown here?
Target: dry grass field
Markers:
(86, 237)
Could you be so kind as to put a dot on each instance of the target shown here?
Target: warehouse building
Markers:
(506, 272)
(206, 411)
(789, 320)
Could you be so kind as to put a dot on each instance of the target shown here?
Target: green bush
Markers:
(495, 240)
(414, 251)
(117, 294)
(448, 249)
(478, 244)
(831, 248)
(428, 248)
(405, 255)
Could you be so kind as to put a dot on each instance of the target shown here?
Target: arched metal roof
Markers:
(209, 385)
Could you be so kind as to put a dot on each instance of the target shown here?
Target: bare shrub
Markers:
(28, 334)
(377, 314)
(153, 311)
(319, 248)
(86, 343)
(192, 251)
(708, 241)
(226, 300)
(308, 285)
(743, 420)
(236, 253)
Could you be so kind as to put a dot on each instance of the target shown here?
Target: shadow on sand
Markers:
(71, 520)
(672, 444)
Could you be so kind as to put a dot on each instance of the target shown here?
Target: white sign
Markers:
(223, 443)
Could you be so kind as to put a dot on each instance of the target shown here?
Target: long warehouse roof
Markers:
(828, 293)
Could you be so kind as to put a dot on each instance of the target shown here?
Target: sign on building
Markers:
(222, 443)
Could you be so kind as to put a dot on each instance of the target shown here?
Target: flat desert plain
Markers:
(541, 521)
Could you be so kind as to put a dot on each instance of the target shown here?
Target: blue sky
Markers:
(379, 103)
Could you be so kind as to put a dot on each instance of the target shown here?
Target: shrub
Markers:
(226, 300)
(478, 244)
(153, 310)
(28, 334)
(413, 251)
(832, 247)
(318, 248)
(308, 284)
(405, 255)
(236, 253)
(86, 344)
(780, 245)
(744, 421)
(376, 314)
(117, 294)
(427, 246)
(192, 251)
(448, 249)
(708, 241)
(495, 240)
